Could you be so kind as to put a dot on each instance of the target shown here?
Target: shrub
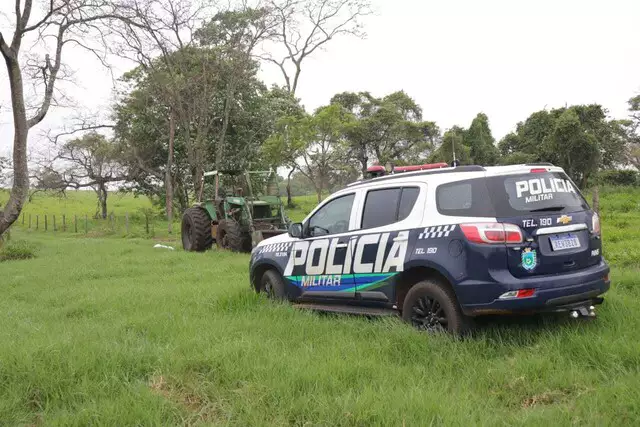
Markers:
(619, 177)
(15, 250)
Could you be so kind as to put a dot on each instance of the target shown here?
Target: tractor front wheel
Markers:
(196, 230)
(231, 236)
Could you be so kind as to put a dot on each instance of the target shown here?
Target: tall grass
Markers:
(115, 332)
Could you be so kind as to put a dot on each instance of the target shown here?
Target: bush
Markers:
(619, 177)
(17, 250)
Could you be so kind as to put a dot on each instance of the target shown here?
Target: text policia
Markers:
(538, 189)
(323, 256)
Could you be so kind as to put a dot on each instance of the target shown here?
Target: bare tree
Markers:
(64, 22)
(304, 26)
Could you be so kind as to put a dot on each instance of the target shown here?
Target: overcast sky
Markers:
(506, 58)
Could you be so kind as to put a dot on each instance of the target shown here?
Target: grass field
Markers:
(83, 205)
(104, 331)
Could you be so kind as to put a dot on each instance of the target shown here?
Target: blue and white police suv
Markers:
(441, 246)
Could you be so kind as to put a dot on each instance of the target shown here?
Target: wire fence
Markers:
(145, 224)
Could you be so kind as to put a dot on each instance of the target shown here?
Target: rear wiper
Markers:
(548, 209)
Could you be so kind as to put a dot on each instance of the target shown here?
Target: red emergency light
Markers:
(378, 170)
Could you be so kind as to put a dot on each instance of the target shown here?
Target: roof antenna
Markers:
(455, 162)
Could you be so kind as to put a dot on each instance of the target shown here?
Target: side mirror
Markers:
(295, 230)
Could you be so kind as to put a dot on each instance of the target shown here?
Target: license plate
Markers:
(559, 243)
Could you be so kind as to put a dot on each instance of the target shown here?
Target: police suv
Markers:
(441, 245)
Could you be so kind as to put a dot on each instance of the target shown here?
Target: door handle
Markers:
(341, 245)
(400, 239)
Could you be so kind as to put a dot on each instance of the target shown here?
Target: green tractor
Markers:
(238, 219)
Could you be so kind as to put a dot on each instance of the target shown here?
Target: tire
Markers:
(196, 230)
(418, 309)
(231, 236)
(272, 284)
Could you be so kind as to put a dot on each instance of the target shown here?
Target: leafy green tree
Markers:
(388, 129)
(579, 138)
(480, 141)
(452, 142)
(315, 143)
(632, 127)
(91, 161)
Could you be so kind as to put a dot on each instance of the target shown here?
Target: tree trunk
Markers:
(20, 189)
(102, 200)
(289, 199)
(363, 163)
(181, 192)
(168, 177)
(225, 123)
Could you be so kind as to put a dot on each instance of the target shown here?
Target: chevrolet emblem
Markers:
(564, 219)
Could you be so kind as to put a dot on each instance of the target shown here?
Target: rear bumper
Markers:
(552, 293)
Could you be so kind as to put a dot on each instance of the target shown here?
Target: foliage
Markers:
(619, 177)
(17, 250)
(474, 145)
(578, 138)
(142, 128)
(480, 141)
(315, 144)
(166, 351)
(453, 143)
(5, 170)
(90, 161)
(388, 129)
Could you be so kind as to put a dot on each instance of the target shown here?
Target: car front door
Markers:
(320, 262)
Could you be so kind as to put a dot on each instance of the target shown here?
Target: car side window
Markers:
(388, 205)
(407, 201)
(332, 218)
(380, 207)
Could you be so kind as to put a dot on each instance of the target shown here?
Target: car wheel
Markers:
(431, 306)
(272, 284)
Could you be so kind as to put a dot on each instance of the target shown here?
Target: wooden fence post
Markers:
(45, 223)
(86, 224)
(126, 223)
(29, 221)
(64, 222)
(54, 224)
(75, 223)
(146, 218)
(37, 222)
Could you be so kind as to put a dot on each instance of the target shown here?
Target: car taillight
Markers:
(492, 232)
(595, 224)
(538, 170)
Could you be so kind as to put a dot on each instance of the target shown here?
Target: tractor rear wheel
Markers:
(196, 230)
(231, 236)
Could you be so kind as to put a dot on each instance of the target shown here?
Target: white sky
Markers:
(506, 58)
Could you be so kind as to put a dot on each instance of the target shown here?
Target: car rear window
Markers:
(540, 192)
(510, 195)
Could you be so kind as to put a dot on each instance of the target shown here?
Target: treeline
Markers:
(336, 143)
(193, 105)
